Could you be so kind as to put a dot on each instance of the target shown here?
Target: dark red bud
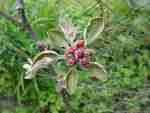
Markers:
(79, 44)
(94, 78)
(71, 50)
(41, 46)
(83, 61)
(87, 65)
(79, 53)
(72, 62)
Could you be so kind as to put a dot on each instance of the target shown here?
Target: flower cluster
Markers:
(78, 54)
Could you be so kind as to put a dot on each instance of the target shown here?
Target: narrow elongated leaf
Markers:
(98, 71)
(93, 30)
(72, 80)
(46, 53)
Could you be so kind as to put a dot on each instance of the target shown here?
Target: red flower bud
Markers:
(41, 46)
(71, 50)
(72, 61)
(79, 53)
(87, 65)
(83, 61)
(79, 44)
(94, 78)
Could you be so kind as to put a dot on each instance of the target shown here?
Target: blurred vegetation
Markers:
(124, 49)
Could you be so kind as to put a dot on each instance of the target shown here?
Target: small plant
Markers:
(76, 55)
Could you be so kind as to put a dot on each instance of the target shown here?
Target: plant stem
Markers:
(24, 20)
(66, 100)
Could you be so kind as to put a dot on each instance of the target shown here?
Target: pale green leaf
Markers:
(98, 71)
(42, 60)
(56, 39)
(72, 80)
(68, 28)
(46, 53)
(40, 64)
(93, 30)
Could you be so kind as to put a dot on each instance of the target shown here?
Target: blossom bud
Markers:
(83, 61)
(71, 50)
(79, 44)
(94, 78)
(79, 53)
(41, 46)
(72, 61)
(87, 65)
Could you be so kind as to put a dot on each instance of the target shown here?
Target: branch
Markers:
(24, 20)
(11, 19)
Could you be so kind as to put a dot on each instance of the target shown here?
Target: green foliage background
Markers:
(124, 49)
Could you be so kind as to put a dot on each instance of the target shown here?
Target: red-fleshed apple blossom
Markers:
(75, 53)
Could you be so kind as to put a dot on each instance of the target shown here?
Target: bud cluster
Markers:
(78, 54)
